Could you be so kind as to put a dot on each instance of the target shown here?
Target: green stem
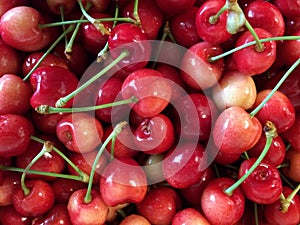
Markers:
(279, 83)
(285, 204)
(47, 147)
(280, 38)
(259, 45)
(136, 12)
(256, 214)
(84, 176)
(214, 19)
(62, 16)
(48, 51)
(46, 109)
(270, 132)
(116, 131)
(62, 101)
(37, 172)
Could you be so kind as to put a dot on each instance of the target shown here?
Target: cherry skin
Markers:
(160, 205)
(15, 134)
(80, 132)
(274, 215)
(15, 95)
(8, 216)
(154, 135)
(9, 59)
(264, 185)
(152, 90)
(292, 171)
(151, 17)
(289, 8)
(181, 161)
(235, 132)
(258, 12)
(197, 71)
(19, 29)
(126, 179)
(248, 60)
(216, 32)
(172, 8)
(81, 213)
(45, 83)
(189, 216)
(39, 201)
(9, 185)
(134, 219)
(5, 5)
(68, 6)
(216, 204)
(278, 109)
(292, 136)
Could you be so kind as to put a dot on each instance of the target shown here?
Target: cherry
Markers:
(135, 219)
(174, 7)
(292, 171)
(216, 204)
(274, 213)
(210, 29)
(126, 179)
(289, 8)
(264, 185)
(9, 185)
(152, 90)
(234, 89)
(66, 5)
(235, 131)
(291, 135)
(15, 134)
(182, 160)
(248, 60)
(5, 5)
(183, 27)
(9, 59)
(258, 12)
(98, 5)
(43, 80)
(46, 123)
(15, 95)
(150, 16)
(39, 200)
(19, 29)
(8, 216)
(129, 38)
(81, 213)
(189, 216)
(284, 117)
(197, 71)
(154, 135)
(160, 205)
(80, 132)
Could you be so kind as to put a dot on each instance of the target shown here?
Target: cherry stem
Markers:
(136, 12)
(97, 23)
(214, 19)
(83, 175)
(55, 43)
(286, 202)
(116, 131)
(37, 172)
(280, 82)
(46, 109)
(62, 101)
(270, 132)
(280, 38)
(47, 147)
(259, 46)
(62, 16)
(256, 214)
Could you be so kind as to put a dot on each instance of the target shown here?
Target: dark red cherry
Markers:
(8, 216)
(174, 7)
(289, 8)
(67, 5)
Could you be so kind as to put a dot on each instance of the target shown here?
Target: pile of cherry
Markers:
(149, 112)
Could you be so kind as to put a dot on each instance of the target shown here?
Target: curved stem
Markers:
(284, 77)
(62, 101)
(214, 19)
(285, 203)
(270, 132)
(116, 131)
(48, 51)
(47, 147)
(136, 12)
(259, 46)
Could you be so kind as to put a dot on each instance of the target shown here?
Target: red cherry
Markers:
(8, 216)
(289, 8)
(80, 132)
(68, 6)
(6, 5)
(134, 219)
(152, 90)
(15, 134)
(235, 132)
(292, 134)
(213, 32)
(174, 7)
(154, 135)
(197, 71)
(264, 185)
(292, 171)
(9, 59)
(82, 213)
(8, 187)
(189, 216)
(39, 201)
(248, 60)
(19, 29)
(216, 204)
(160, 205)
(126, 179)
(15, 95)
